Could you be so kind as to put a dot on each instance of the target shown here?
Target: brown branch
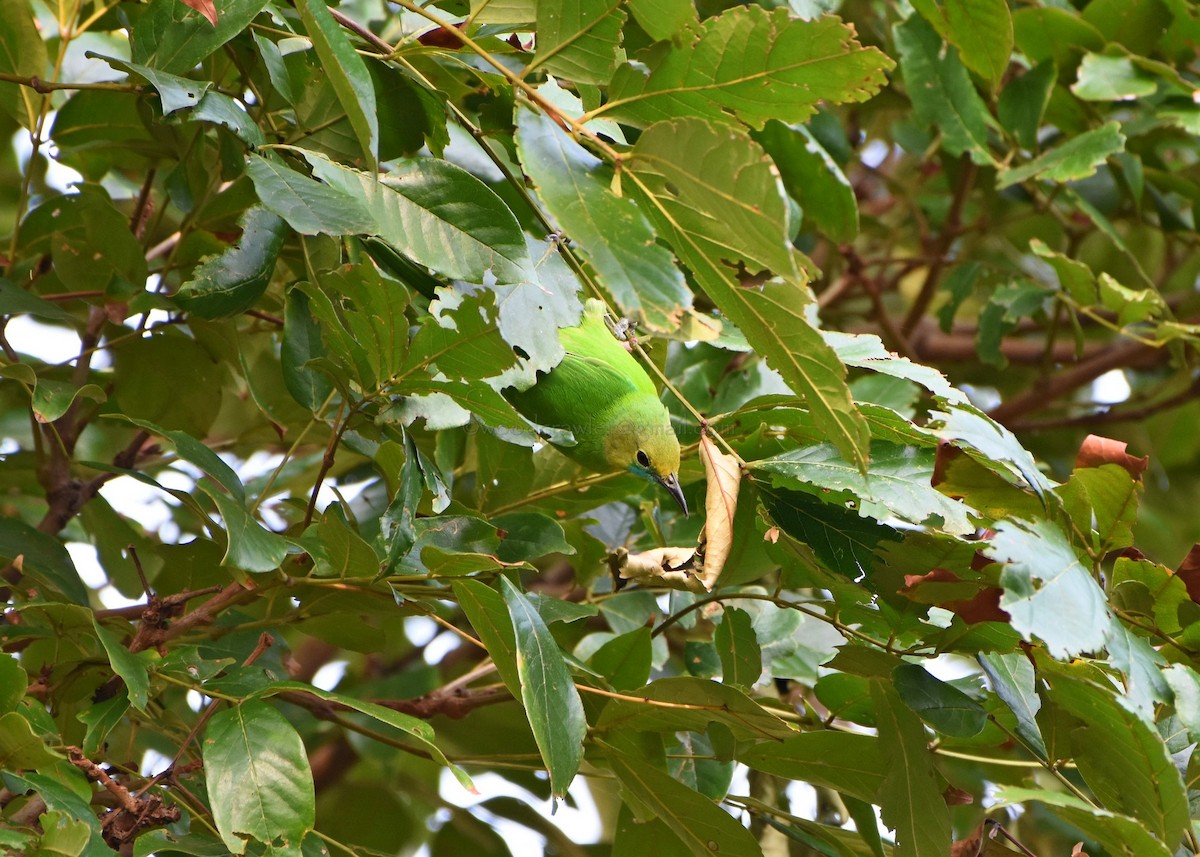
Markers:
(46, 86)
(940, 252)
(1047, 390)
(1112, 415)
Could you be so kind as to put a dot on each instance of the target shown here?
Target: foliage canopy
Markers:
(876, 255)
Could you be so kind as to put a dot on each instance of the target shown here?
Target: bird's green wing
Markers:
(592, 339)
(574, 394)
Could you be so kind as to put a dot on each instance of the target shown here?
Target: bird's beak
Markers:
(671, 483)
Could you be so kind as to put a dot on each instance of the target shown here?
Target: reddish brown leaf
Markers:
(440, 37)
(984, 607)
(957, 797)
(946, 454)
(1189, 573)
(205, 8)
(1097, 451)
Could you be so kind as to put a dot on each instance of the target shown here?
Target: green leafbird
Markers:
(608, 402)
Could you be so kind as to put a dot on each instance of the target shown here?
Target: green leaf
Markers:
(1024, 100)
(812, 178)
(251, 546)
(1041, 574)
(194, 452)
(1054, 33)
(13, 682)
(347, 73)
(260, 785)
(700, 824)
(625, 659)
(662, 19)
(1111, 78)
(73, 228)
(416, 729)
(1117, 834)
(308, 206)
(52, 399)
(941, 91)
(703, 185)
(1075, 159)
(488, 614)
(337, 550)
(130, 667)
(232, 283)
(1012, 679)
(737, 644)
(898, 485)
(20, 748)
(218, 108)
(101, 719)
(529, 535)
(174, 92)
(979, 435)
(1122, 758)
(16, 301)
(579, 39)
(1185, 687)
(843, 761)
(22, 53)
(610, 232)
(1107, 499)
(842, 540)
(548, 693)
(437, 214)
(301, 344)
(981, 30)
(173, 38)
(750, 64)
(911, 800)
(460, 339)
(43, 558)
(943, 706)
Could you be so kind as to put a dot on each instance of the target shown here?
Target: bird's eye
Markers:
(643, 459)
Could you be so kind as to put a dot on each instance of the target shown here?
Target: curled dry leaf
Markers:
(1096, 451)
(673, 566)
(720, 505)
(207, 8)
(694, 569)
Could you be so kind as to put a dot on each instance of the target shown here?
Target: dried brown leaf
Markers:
(207, 8)
(1097, 451)
(720, 505)
(671, 566)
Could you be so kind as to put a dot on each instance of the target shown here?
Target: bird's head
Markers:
(650, 449)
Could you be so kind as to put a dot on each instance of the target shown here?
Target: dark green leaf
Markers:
(43, 559)
(849, 763)
(703, 827)
(173, 38)
(579, 40)
(551, 701)
(347, 74)
(944, 707)
(488, 614)
(812, 178)
(233, 282)
(911, 800)
(941, 90)
(130, 667)
(737, 644)
(1012, 679)
(308, 206)
(625, 659)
